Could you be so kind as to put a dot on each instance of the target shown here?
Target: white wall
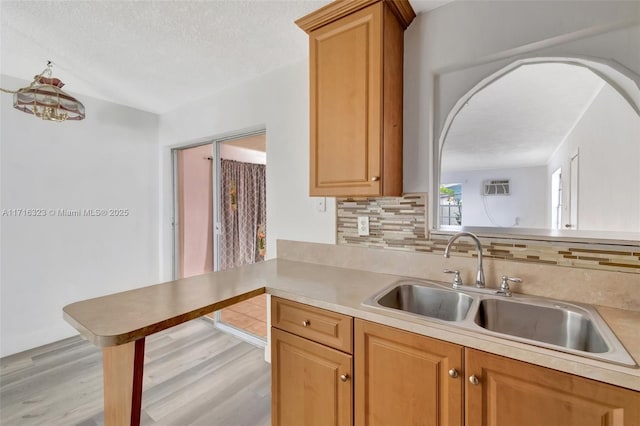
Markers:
(526, 206)
(278, 101)
(607, 139)
(106, 161)
(452, 48)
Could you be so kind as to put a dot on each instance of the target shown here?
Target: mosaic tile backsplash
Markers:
(400, 223)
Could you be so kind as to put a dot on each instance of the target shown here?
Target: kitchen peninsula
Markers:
(120, 322)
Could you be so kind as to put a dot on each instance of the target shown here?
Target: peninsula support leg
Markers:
(122, 371)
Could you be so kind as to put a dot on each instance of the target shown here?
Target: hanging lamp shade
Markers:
(46, 99)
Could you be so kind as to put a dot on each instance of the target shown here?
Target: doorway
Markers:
(194, 172)
(242, 219)
(220, 205)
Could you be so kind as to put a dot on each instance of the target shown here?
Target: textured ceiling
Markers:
(154, 55)
(520, 119)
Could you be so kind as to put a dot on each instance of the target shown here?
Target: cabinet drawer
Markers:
(322, 326)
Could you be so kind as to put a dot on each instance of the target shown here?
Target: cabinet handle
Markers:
(306, 323)
(375, 178)
(344, 377)
(453, 373)
(474, 380)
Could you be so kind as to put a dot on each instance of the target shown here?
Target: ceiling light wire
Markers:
(46, 71)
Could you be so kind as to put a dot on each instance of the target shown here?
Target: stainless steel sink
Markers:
(431, 302)
(570, 327)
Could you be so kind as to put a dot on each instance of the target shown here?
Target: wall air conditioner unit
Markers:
(496, 187)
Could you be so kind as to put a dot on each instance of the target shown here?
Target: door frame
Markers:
(216, 142)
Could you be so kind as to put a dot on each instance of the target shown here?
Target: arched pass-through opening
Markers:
(544, 83)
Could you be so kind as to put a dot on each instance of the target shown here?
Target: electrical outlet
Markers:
(321, 204)
(363, 226)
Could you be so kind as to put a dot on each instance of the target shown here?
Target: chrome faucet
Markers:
(480, 273)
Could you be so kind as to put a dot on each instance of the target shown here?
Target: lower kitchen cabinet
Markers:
(504, 392)
(402, 378)
(312, 365)
(391, 377)
(310, 383)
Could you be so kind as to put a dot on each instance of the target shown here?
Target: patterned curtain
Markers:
(243, 234)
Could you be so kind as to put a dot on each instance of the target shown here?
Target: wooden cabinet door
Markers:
(306, 384)
(346, 105)
(403, 378)
(511, 392)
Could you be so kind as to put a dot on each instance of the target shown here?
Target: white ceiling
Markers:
(154, 55)
(520, 119)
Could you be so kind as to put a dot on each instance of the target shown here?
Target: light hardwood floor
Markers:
(193, 375)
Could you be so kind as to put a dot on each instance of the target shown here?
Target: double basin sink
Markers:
(568, 327)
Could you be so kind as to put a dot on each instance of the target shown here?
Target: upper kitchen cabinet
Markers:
(356, 50)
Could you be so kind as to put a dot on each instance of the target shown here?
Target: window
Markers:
(451, 204)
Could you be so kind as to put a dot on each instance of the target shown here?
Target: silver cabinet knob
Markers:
(473, 380)
(453, 373)
(306, 323)
(375, 178)
(344, 377)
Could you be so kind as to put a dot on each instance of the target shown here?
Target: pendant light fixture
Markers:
(45, 99)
